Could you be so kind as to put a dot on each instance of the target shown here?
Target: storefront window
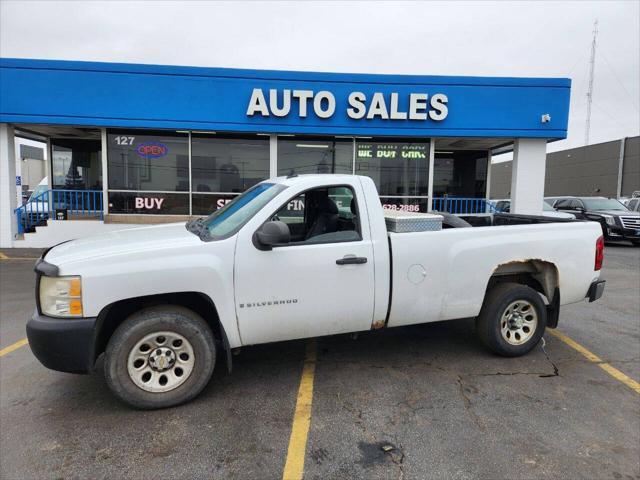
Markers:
(228, 164)
(460, 173)
(149, 170)
(302, 154)
(398, 168)
(76, 164)
(148, 161)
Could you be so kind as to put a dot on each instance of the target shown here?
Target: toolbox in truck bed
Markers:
(403, 222)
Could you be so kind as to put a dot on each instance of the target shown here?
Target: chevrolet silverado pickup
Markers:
(296, 257)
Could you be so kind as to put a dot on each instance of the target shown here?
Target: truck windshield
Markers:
(230, 218)
(596, 204)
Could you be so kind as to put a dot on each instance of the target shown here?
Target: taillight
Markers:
(599, 253)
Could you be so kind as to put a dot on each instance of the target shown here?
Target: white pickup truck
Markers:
(292, 258)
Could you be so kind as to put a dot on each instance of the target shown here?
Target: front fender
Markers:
(206, 268)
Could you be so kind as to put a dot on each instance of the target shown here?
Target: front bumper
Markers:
(595, 290)
(616, 232)
(63, 344)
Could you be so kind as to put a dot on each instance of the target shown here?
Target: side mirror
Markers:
(272, 234)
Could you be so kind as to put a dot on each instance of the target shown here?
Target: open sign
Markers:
(152, 150)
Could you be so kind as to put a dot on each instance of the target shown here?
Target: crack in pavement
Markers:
(357, 412)
(398, 461)
(543, 344)
(467, 404)
(493, 374)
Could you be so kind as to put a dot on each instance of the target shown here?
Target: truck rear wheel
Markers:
(160, 357)
(512, 320)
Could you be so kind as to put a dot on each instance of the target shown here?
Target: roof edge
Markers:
(152, 69)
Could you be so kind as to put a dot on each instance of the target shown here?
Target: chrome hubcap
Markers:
(160, 362)
(518, 322)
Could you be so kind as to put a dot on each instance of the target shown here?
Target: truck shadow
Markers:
(273, 370)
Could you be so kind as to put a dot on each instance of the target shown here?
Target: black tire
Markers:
(490, 321)
(636, 243)
(163, 318)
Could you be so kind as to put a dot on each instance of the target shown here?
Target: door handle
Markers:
(351, 260)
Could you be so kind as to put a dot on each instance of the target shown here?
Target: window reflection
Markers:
(148, 161)
(460, 173)
(301, 154)
(76, 164)
(228, 164)
(397, 168)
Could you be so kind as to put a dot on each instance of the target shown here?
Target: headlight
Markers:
(609, 219)
(61, 296)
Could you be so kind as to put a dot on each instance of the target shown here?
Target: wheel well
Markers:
(540, 275)
(113, 315)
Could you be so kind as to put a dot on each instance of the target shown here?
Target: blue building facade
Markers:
(168, 140)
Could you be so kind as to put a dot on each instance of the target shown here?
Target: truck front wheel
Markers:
(512, 319)
(160, 357)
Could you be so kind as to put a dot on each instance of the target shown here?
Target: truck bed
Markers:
(444, 274)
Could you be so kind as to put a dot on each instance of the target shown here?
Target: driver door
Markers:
(305, 288)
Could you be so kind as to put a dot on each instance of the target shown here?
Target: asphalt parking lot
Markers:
(419, 402)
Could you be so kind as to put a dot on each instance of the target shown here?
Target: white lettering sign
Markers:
(286, 102)
(149, 203)
(358, 108)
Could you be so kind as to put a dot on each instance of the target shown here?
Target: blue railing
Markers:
(462, 206)
(79, 203)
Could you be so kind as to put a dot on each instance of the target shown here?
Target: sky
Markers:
(535, 39)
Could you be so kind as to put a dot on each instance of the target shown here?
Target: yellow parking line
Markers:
(294, 466)
(592, 357)
(15, 346)
(4, 257)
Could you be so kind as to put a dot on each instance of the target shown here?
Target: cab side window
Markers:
(322, 215)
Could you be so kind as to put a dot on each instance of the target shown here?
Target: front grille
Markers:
(630, 222)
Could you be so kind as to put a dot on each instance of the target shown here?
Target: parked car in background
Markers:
(617, 221)
(36, 207)
(634, 204)
(553, 200)
(547, 210)
(629, 200)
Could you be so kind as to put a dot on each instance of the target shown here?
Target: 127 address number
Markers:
(122, 140)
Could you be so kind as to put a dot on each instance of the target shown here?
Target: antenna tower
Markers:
(592, 64)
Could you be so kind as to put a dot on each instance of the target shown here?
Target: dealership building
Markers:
(129, 144)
